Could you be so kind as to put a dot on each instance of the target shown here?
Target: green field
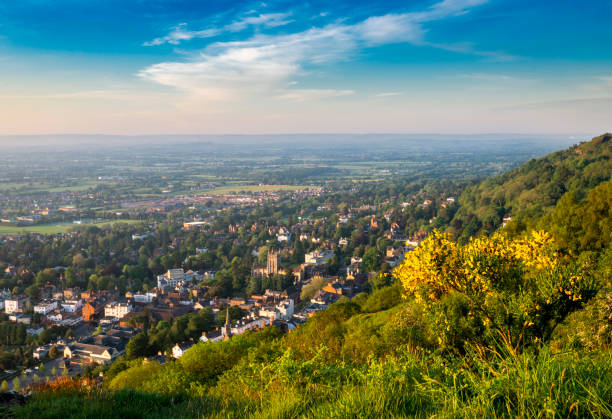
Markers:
(55, 228)
(38, 187)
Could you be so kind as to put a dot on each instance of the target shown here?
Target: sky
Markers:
(243, 67)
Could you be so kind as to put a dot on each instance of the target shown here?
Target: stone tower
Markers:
(273, 262)
(227, 330)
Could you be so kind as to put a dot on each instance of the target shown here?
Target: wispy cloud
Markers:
(264, 64)
(181, 32)
(388, 94)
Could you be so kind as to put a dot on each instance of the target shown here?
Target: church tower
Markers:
(227, 330)
(273, 262)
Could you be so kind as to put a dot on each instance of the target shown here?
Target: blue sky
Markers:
(161, 66)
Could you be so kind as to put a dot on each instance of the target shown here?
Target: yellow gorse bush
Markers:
(504, 283)
(441, 265)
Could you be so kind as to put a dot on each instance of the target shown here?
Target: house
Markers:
(175, 277)
(70, 293)
(16, 304)
(92, 309)
(100, 349)
(117, 309)
(41, 352)
(93, 353)
(45, 307)
(318, 256)
(286, 309)
(333, 288)
(144, 298)
(72, 306)
(180, 348)
(214, 336)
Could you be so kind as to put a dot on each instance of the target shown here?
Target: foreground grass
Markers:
(495, 385)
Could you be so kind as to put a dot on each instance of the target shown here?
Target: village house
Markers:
(180, 348)
(118, 309)
(16, 304)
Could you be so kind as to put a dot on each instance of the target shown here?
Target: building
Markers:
(15, 304)
(226, 331)
(273, 264)
(175, 277)
(41, 352)
(194, 225)
(92, 309)
(180, 348)
(144, 298)
(72, 306)
(286, 309)
(117, 310)
(318, 256)
(214, 336)
(45, 307)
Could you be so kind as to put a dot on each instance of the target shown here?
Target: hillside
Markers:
(526, 193)
(505, 325)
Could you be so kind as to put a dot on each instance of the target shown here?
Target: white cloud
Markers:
(388, 94)
(180, 32)
(263, 65)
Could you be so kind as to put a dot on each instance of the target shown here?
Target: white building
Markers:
(15, 304)
(175, 277)
(72, 306)
(286, 309)
(269, 313)
(117, 310)
(45, 307)
(180, 348)
(144, 298)
(318, 256)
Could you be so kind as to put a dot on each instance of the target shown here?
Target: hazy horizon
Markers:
(290, 139)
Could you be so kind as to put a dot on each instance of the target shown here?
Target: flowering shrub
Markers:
(67, 385)
(492, 286)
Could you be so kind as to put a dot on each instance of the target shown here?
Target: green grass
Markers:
(546, 385)
(37, 187)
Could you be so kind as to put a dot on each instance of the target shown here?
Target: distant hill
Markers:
(530, 191)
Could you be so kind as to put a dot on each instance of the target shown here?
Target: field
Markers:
(55, 228)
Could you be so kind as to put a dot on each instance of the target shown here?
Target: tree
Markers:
(53, 352)
(32, 291)
(53, 371)
(42, 369)
(371, 259)
(16, 384)
(309, 290)
(138, 346)
(5, 386)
